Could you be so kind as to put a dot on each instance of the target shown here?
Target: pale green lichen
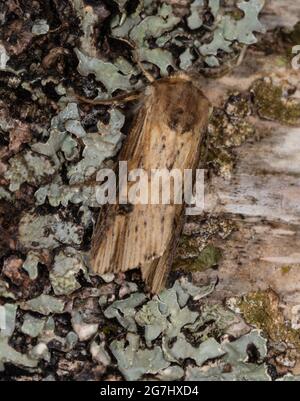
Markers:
(66, 122)
(214, 320)
(104, 71)
(148, 22)
(32, 326)
(48, 335)
(31, 264)
(181, 349)
(159, 57)
(134, 362)
(154, 26)
(194, 291)
(28, 167)
(218, 42)
(8, 353)
(187, 335)
(58, 193)
(229, 30)
(212, 61)
(124, 311)
(242, 30)
(67, 264)
(98, 147)
(44, 304)
(151, 318)
(234, 366)
(186, 59)
(4, 290)
(4, 194)
(194, 20)
(8, 314)
(48, 231)
(172, 373)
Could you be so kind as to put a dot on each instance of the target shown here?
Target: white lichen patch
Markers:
(28, 167)
(44, 304)
(49, 232)
(67, 265)
(184, 334)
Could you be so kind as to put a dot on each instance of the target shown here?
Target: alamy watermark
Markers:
(2, 318)
(152, 187)
(296, 59)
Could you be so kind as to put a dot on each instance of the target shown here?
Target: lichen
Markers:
(29, 167)
(44, 304)
(124, 311)
(105, 72)
(208, 258)
(31, 264)
(134, 362)
(235, 365)
(32, 326)
(271, 103)
(262, 310)
(196, 250)
(98, 146)
(48, 231)
(227, 129)
(194, 20)
(182, 349)
(230, 129)
(49, 170)
(67, 265)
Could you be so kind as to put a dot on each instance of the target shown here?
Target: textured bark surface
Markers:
(262, 197)
(64, 323)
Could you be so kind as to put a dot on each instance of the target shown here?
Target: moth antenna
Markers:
(137, 60)
(146, 73)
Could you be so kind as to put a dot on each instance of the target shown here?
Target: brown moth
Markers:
(167, 133)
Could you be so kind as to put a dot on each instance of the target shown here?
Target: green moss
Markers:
(227, 129)
(208, 258)
(285, 269)
(187, 246)
(271, 104)
(261, 309)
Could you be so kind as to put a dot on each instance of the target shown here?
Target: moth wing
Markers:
(146, 235)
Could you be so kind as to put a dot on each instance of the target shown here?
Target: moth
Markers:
(167, 133)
